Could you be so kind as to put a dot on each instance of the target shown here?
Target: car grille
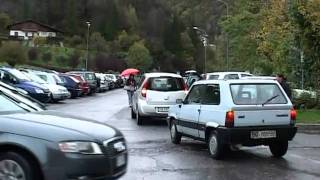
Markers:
(114, 146)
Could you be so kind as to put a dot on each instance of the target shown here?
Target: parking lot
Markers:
(153, 156)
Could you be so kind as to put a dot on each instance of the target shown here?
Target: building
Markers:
(27, 30)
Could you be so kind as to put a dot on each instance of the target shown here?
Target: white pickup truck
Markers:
(226, 113)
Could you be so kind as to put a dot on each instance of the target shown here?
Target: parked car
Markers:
(155, 94)
(112, 84)
(17, 79)
(227, 75)
(90, 77)
(120, 81)
(75, 148)
(58, 93)
(227, 113)
(83, 84)
(116, 81)
(72, 84)
(104, 84)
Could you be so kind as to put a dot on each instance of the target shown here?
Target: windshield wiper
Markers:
(270, 99)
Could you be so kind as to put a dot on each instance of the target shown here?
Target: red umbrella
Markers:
(132, 71)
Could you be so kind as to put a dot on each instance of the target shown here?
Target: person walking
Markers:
(283, 82)
(130, 87)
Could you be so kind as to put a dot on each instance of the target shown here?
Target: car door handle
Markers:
(282, 115)
(241, 117)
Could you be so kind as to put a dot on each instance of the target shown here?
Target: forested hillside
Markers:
(265, 36)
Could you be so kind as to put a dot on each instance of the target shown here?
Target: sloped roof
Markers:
(17, 26)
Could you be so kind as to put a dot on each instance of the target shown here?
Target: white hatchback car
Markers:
(230, 113)
(155, 93)
(227, 75)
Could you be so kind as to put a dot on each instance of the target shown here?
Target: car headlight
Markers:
(38, 90)
(80, 147)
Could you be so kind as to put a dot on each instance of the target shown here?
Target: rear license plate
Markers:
(263, 134)
(120, 160)
(163, 109)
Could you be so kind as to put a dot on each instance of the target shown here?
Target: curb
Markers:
(308, 128)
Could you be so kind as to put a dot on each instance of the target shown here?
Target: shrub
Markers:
(47, 57)
(13, 53)
(305, 101)
(33, 54)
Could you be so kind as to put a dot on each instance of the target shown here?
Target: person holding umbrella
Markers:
(130, 87)
(131, 83)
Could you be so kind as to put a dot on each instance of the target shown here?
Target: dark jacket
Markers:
(131, 82)
(287, 89)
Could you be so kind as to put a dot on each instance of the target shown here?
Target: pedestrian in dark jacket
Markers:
(130, 87)
(283, 82)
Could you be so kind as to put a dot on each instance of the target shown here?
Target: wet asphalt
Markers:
(153, 156)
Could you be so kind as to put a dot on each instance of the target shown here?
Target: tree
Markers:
(139, 57)
(97, 42)
(4, 22)
(13, 53)
(74, 59)
(33, 54)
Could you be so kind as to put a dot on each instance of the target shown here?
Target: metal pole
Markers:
(88, 33)
(302, 69)
(227, 36)
(205, 60)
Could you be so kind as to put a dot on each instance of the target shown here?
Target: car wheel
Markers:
(215, 147)
(278, 149)
(175, 135)
(16, 167)
(133, 114)
(139, 118)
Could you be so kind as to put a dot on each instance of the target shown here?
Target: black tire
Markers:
(133, 114)
(139, 118)
(24, 163)
(215, 146)
(278, 149)
(174, 134)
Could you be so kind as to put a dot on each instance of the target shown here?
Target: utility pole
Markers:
(204, 39)
(88, 34)
(302, 68)
(227, 36)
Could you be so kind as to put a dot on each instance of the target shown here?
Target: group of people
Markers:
(131, 84)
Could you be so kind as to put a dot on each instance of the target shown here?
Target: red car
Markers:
(83, 84)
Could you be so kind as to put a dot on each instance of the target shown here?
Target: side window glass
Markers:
(231, 76)
(194, 96)
(211, 96)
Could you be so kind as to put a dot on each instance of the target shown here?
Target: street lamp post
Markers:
(227, 36)
(302, 68)
(88, 34)
(204, 39)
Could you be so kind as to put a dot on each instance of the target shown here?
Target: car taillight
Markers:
(144, 89)
(229, 119)
(293, 114)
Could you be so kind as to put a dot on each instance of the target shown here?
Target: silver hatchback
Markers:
(155, 94)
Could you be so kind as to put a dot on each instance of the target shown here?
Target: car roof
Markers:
(158, 74)
(229, 72)
(231, 81)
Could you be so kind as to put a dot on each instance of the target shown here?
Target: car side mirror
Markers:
(179, 101)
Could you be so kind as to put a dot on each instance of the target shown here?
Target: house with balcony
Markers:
(27, 30)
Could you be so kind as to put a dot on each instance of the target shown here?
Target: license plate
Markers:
(120, 160)
(163, 109)
(263, 134)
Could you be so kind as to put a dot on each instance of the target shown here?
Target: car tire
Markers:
(279, 149)
(18, 165)
(174, 134)
(139, 118)
(215, 146)
(133, 114)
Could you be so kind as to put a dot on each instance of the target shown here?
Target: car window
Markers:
(211, 95)
(252, 94)
(7, 77)
(213, 77)
(89, 76)
(166, 84)
(246, 75)
(194, 96)
(7, 105)
(231, 76)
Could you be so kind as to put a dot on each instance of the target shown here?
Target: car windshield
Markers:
(34, 78)
(166, 84)
(19, 75)
(8, 105)
(254, 94)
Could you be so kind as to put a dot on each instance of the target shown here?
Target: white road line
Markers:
(305, 158)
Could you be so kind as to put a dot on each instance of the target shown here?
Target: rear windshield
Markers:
(90, 76)
(213, 77)
(166, 84)
(254, 94)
